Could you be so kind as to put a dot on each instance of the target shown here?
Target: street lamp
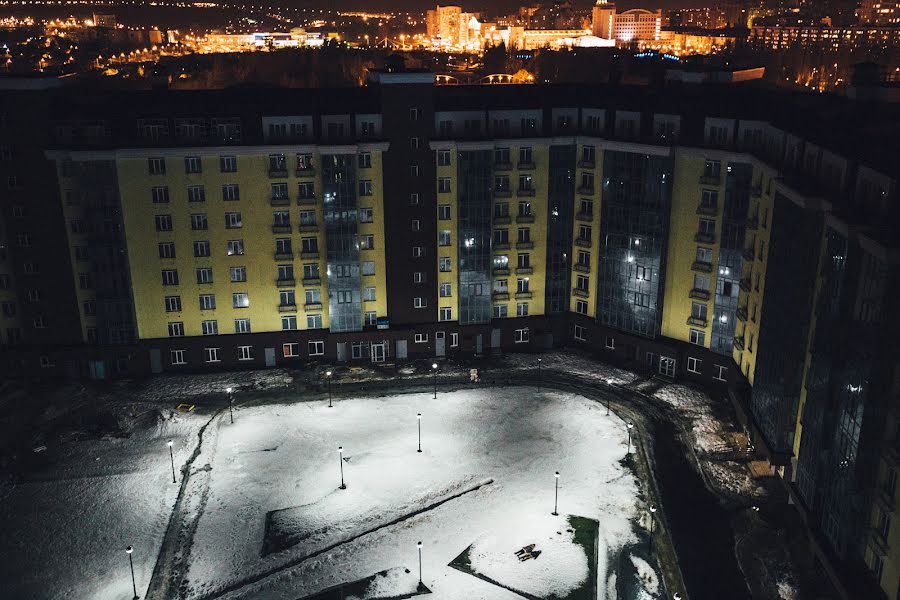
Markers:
(341, 460)
(228, 391)
(328, 375)
(540, 375)
(630, 426)
(419, 418)
(172, 458)
(609, 382)
(652, 512)
(128, 551)
(419, 546)
(676, 596)
(434, 369)
(556, 496)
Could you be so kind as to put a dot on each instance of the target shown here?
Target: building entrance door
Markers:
(440, 344)
(378, 351)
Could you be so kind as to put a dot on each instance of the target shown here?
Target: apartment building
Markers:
(734, 236)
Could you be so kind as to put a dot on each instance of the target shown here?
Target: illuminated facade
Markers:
(688, 235)
(630, 25)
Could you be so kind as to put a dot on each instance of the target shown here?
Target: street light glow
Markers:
(129, 550)
(170, 442)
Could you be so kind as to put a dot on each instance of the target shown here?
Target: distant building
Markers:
(635, 24)
(450, 27)
(872, 12)
(108, 21)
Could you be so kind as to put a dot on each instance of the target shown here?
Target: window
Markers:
(287, 298)
(170, 277)
(454, 339)
(501, 236)
(416, 225)
(444, 212)
(581, 307)
(366, 215)
(233, 220)
(368, 267)
(196, 193)
(231, 192)
(446, 290)
(522, 309)
(367, 242)
(204, 275)
(414, 114)
(157, 166)
(418, 277)
(173, 303)
(207, 301)
(414, 170)
(163, 222)
(704, 255)
(235, 247)
(240, 300)
(209, 327)
(364, 160)
(521, 336)
(212, 355)
(281, 218)
(315, 297)
(414, 198)
(166, 250)
(524, 234)
(525, 155)
(698, 311)
(526, 183)
(444, 185)
(33, 268)
(414, 143)
(707, 227)
(446, 314)
(238, 274)
(709, 199)
(419, 302)
(315, 321)
(369, 294)
(290, 349)
(8, 309)
(242, 325)
(720, 372)
(228, 164)
(316, 348)
(159, 194)
(199, 222)
(501, 184)
(579, 333)
(693, 364)
(177, 357)
(418, 251)
(306, 191)
(701, 283)
(712, 168)
(288, 323)
(245, 352)
(444, 238)
(365, 187)
(582, 283)
(667, 366)
(698, 337)
(286, 272)
(192, 164)
(443, 158)
(501, 311)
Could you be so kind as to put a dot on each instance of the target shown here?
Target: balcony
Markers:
(281, 228)
(526, 192)
(311, 255)
(583, 242)
(748, 254)
(284, 255)
(501, 272)
(584, 216)
(524, 270)
(745, 284)
(525, 165)
(500, 296)
(586, 164)
(279, 201)
(705, 238)
(503, 193)
(278, 172)
(581, 268)
(739, 343)
(503, 166)
(752, 224)
(287, 308)
(524, 245)
(698, 294)
(580, 293)
(306, 200)
(741, 313)
(710, 179)
(701, 267)
(707, 209)
(501, 246)
(502, 219)
(585, 190)
(529, 218)
(286, 282)
(697, 321)
(308, 227)
(313, 306)
(524, 295)
(311, 281)
(305, 172)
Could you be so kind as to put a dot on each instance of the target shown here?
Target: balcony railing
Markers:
(752, 223)
(697, 321)
(582, 268)
(279, 200)
(739, 342)
(580, 293)
(502, 271)
(526, 192)
(524, 295)
(748, 254)
(586, 164)
(281, 228)
(524, 270)
(310, 281)
(745, 284)
(278, 172)
(287, 308)
(501, 245)
(503, 165)
(500, 296)
(699, 294)
(525, 165)
(583, 242)
(284, 255)
(529, 218)
(309, 254)
(503, 193)
(584, 216)
(502, 219)
(313, 306)
(707, 209)
(741, 313)
(308, 227)
(286, 282)
(524, 245)
(306, 200)
(305, 172)
(710, 179)
(586, 190)
(702, 267)
(705, 238)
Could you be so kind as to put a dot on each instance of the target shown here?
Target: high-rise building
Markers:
(630, 25)
(714, 234)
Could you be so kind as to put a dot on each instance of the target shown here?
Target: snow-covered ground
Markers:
(285, 457)
(65, 529)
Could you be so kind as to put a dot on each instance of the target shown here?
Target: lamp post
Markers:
(228, 390)
(609, 382)
(556, 496)
(630, 426)
(434, 370)
(652, 512)
(419, 418)
(328, 375)
(540, 375)
(128, 551)
(172, 458)
(419, 546)
(676, 596)
(341, 460)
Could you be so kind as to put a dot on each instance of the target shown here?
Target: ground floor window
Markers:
(698, 337)
(212, 355)
(245, 352)
(177, 357)
(454, 339)
(421, 338)
(522, 335)
(667, 366)
(579, 333)
(693, 364)
(359, 349)
(610, 342)
(316, 348)
(720, 372)
(290, 349)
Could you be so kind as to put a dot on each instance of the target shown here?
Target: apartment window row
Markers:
(159, 194)
(199, 221)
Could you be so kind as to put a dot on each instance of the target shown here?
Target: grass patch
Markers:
(585, 536)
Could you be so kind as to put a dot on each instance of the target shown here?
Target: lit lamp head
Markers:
(677, 596)
(327, 373)
(629, 425)
(652, 508)
(540, 360)
(169, 443)
(434, 365)
(228, 390)
(340, 449)
(129, 550)
(419, 545)
(556, 474)
(418, 415)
